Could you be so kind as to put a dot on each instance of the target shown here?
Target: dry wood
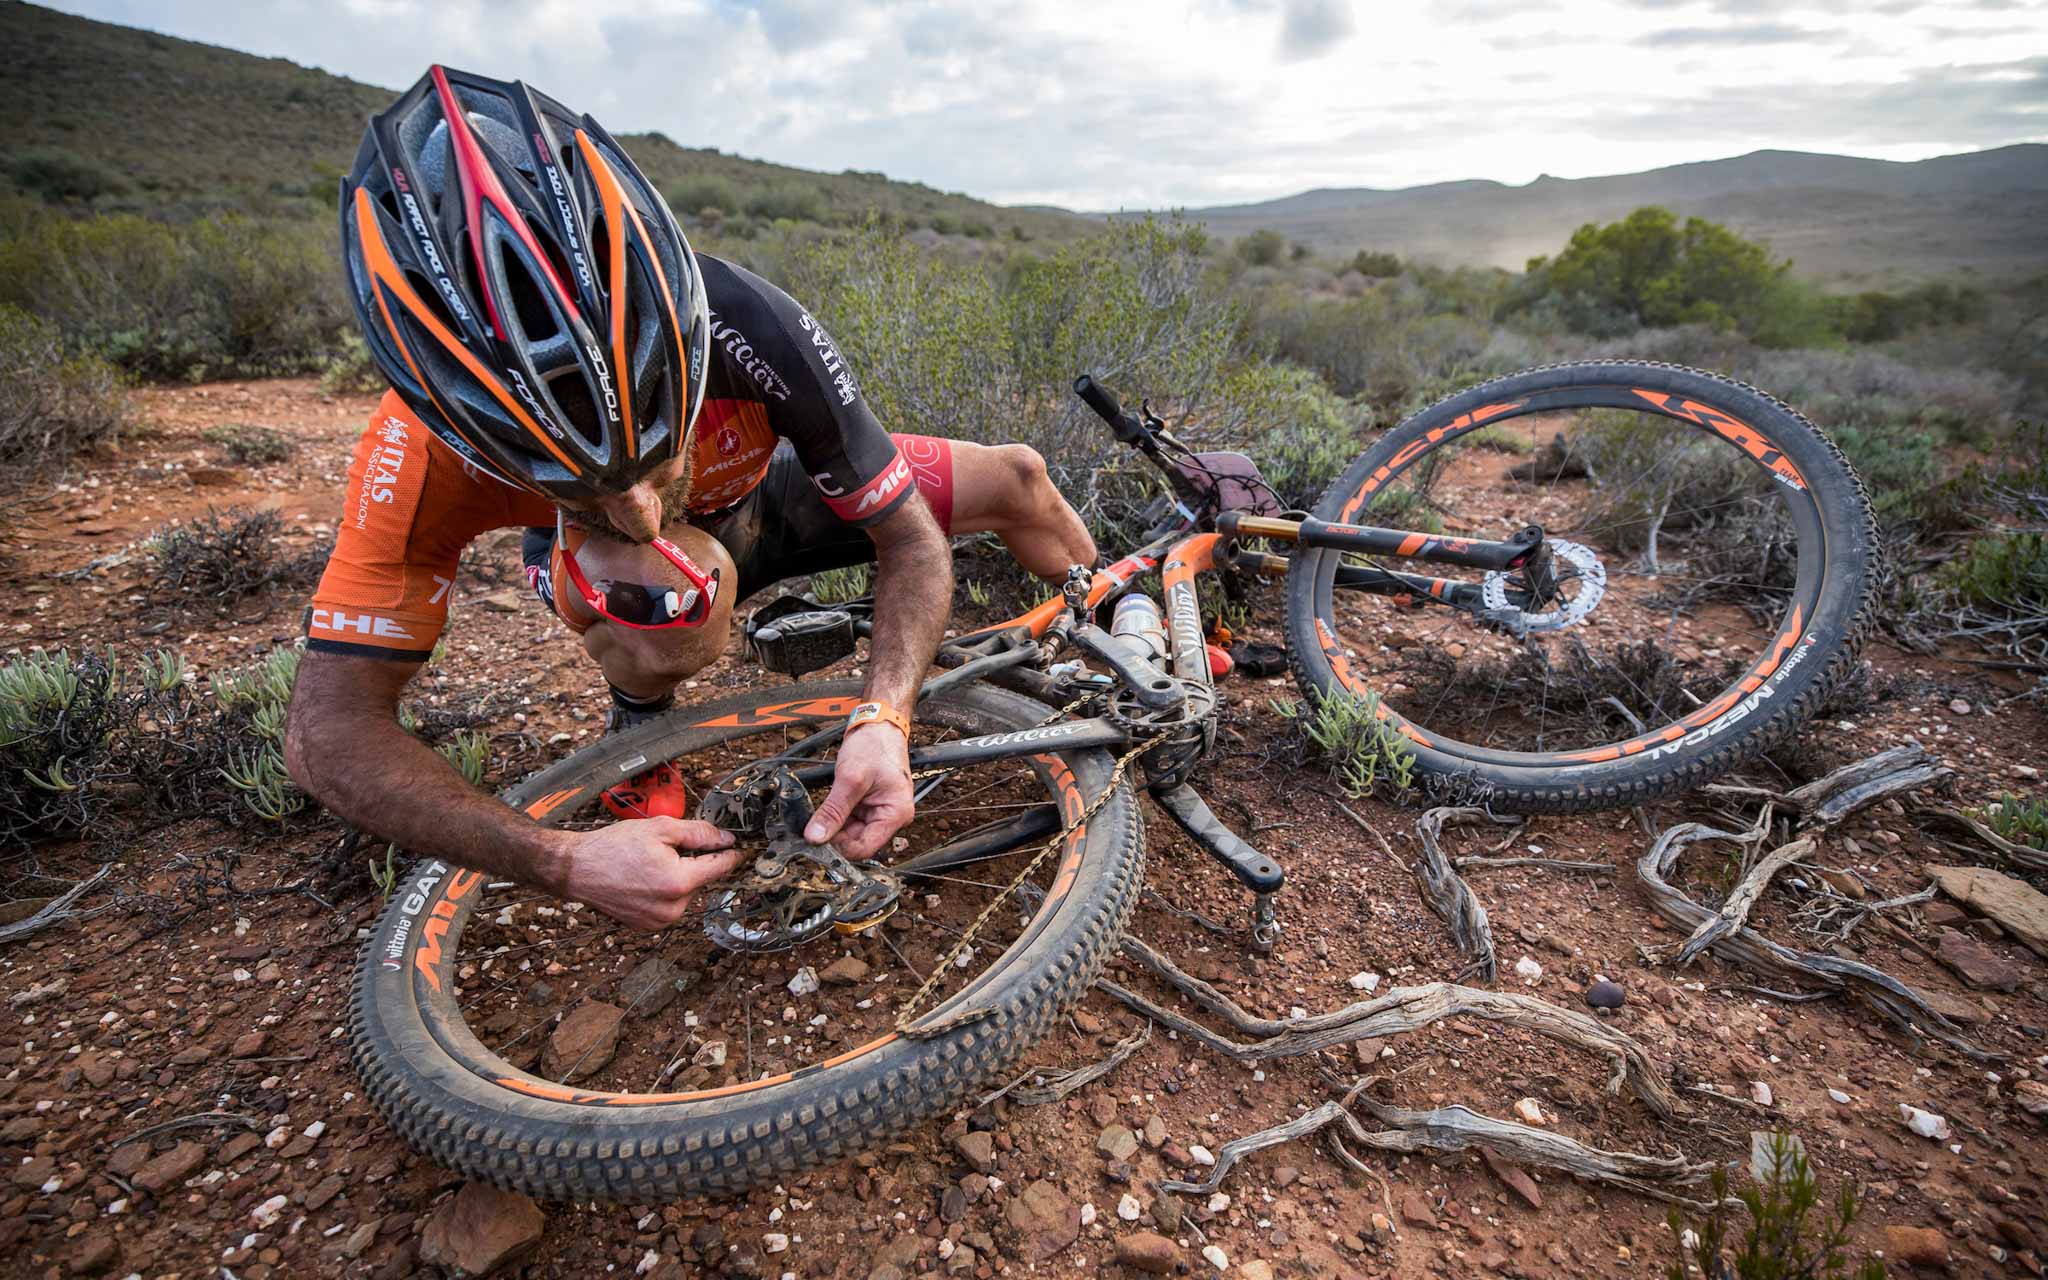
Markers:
(2025, 857)
(1476, 863)
(57, 910)
(1058, 1082)
(1736, 907)
(1749, 949)
(1826, 801)
(1450, 897)
(1401, 1009)
(1457, 1128)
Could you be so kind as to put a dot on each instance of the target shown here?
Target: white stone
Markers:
(648, 1262)
(805, 982)
(1088, 1214)
(775, 1242)
(1530, 1112)
(1760, 1093)
(1201, 1154)
(1366, 982)
(1838, 1097)
(1528, 971)
(267, 1213)
(1925, 1123)
(1128, 1208)
(1217, 1258)
(1219, 1202)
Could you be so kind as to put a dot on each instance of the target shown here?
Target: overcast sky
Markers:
(1148, 103)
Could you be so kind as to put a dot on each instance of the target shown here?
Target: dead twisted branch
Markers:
(1450, 897)
(57, 910)
(2025, 857)
(1056, 1083)
(1749, 949)
(1400, 1010)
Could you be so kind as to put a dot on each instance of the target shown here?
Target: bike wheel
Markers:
(1720, 573)
(448, 1037)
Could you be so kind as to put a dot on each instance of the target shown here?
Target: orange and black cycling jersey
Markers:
(412, 504)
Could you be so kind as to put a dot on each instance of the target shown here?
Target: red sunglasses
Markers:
(644, 608)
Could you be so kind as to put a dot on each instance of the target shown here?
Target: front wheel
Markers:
(543, 1048)
(1709, 583)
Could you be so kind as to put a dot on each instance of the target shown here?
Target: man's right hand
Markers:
(643, 872)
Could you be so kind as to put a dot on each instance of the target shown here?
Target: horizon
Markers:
(1902, 89)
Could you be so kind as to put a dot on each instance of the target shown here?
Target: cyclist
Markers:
(673, 433)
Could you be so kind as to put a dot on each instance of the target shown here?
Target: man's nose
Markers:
(635, 513)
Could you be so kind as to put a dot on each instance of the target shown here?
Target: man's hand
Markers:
(870, 799)
(644, 872)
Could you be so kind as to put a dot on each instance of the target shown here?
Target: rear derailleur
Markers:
(794, 890)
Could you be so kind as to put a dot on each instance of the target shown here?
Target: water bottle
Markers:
(1137, 620)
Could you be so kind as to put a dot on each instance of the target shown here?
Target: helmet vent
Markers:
(572, 395)
(601, 256)
(536, 320)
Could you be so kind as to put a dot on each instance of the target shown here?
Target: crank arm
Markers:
(1152, 687)
(1192, 814)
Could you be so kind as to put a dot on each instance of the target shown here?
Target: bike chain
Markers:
(1116, 777)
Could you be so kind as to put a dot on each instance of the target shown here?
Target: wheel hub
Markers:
(1579, 588)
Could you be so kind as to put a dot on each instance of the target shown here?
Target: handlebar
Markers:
(1127, 427)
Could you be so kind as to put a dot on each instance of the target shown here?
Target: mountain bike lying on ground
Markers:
(1650, 575)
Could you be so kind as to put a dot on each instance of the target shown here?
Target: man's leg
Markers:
(1004, 489)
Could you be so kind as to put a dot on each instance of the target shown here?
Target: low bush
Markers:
(57, 718)
(2003, 572)
(58, 173)
(1363, 752)
(1262, 248)
(245, 444)
(52, 402)
(2020, 819)
(216, 296)
(229, 554)
(1784, 1239)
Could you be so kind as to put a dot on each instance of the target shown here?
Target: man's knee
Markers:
(1027, 487)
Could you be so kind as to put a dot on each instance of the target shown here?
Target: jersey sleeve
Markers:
(409, 509)
(841, 444)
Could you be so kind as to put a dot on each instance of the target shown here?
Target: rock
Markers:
(480, 1229)
(952, 1204)
(846, 971)
(250, 1044)
(265, 1215)
(1128, 1208)
(1842, 882)
(584, 1042)
(212, 477)
(1088, 1023)
(1768, 1161)
(2032, 1096)
(1366, 982)
(2022, 909)
(1147, 1251)
(1916, 1246)
(1837, 1097)
(712, 1054)
(651, 987)
(1959, 706)
(1528, 971)
(805, 983)
(1529, 1110)
(499, 602)
(171, 1168)
(1047, 1220)
(1102, 1110)
(1952, 1006)
(1201, 1155)
(326, 1190)
(1513, 1177)
(1415, 1211)
(1760, 1093)
(1925, 1123)
(1117, 1142)
(1166, 1212)
(1976, 963)
(1605, 995)
(775, 1242)
(1216, 1257)
(96, 1255)
(1257, 1269)
(978, 1149)
(1155, 1131)
(33, 1172)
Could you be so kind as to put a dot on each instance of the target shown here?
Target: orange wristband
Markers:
(868, 712)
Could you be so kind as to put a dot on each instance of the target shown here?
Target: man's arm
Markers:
(870, 799)
(344, 747)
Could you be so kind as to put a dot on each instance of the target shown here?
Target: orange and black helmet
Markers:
(523, 286)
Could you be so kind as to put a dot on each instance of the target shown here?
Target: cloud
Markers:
(1312, 28)
(1743, 34)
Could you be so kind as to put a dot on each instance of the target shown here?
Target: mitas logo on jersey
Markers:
(382, 469)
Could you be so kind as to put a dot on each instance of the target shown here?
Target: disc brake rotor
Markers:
(1586, 583)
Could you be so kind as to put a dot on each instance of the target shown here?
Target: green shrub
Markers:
(1262, 248)
(349, 370)
(1781, 1242)
(1364, 753)
(2020, 819)
(2007, 572)
(244, 443)
(57, 173)
(57, 718)
(256, 699)
(693, 196)
(795, 201)
(52, 402)
(222, 295)
(1378, 266)
(837, 586)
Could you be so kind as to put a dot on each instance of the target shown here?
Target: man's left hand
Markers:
(870, 800)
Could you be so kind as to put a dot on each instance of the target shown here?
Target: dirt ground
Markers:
(197, 996)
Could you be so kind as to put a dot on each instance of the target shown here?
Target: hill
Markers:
(132, 120)
(1834, 216)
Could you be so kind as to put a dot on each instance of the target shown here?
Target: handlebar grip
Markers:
(1126, 427)
(1099, 398)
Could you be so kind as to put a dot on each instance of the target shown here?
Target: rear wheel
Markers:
(1711, 578)
(541, 1047)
